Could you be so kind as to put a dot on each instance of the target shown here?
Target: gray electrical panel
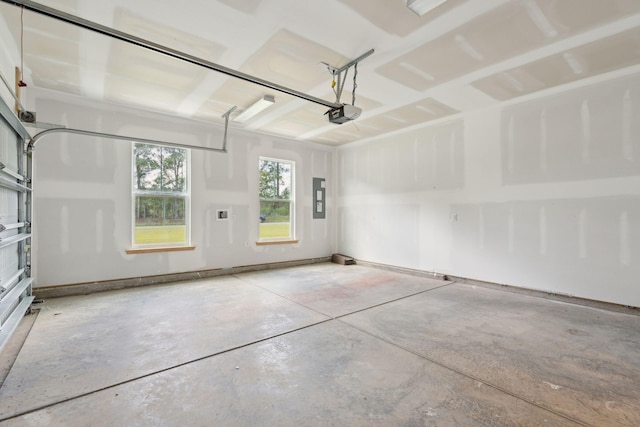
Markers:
(319, 202)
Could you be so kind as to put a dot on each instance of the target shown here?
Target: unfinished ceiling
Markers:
(461, 56)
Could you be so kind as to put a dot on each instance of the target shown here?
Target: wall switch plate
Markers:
(222, 215)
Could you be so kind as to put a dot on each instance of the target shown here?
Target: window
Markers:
(276, 199)
(160, 196)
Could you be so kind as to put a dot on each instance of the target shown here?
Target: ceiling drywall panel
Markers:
(574, 16)
(128, 91)
(44, 26)
(465, 49)
(619, 51)
(132, 61)
(68, 6)
(167, 81)
(342, 134)
(246, 6)
(54, 75)
(405, 21)
(422, 111)
(162, 34)
(291, 60)
(298, 122)
(461, 56)
(62, 50)
(506, 31)
(52, 50)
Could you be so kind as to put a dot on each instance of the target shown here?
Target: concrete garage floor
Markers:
(323, 345)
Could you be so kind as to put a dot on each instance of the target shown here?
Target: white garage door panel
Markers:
(15, 283)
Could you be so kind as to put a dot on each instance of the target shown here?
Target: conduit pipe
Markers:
(34, 140)
(128, 38)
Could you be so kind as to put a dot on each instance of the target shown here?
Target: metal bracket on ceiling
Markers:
(337, 74)
(226, 126)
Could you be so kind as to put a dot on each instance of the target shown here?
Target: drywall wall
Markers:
(82, 195)
(542, 193)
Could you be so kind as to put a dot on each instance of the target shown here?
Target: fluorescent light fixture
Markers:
(421, 7)
(259, 106)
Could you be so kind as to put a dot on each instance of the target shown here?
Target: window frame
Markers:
(292, 203)
(186, 195)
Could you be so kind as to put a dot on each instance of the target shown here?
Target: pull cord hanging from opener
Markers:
(339, 85)
(21, 83)
(338, 81)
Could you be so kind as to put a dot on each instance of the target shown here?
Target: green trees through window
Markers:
(161, 195)
(276, 201)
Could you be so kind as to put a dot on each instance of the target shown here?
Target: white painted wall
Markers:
(543, 194)
(82, 196)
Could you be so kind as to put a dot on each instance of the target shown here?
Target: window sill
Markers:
(276, 242)
(161, 249)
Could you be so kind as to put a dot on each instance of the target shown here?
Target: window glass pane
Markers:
(147, 167)
(275, 180)
(173, 170)
(160, 220)
(160, 191)
(276, 199)
(275, 219)
(161, 169)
